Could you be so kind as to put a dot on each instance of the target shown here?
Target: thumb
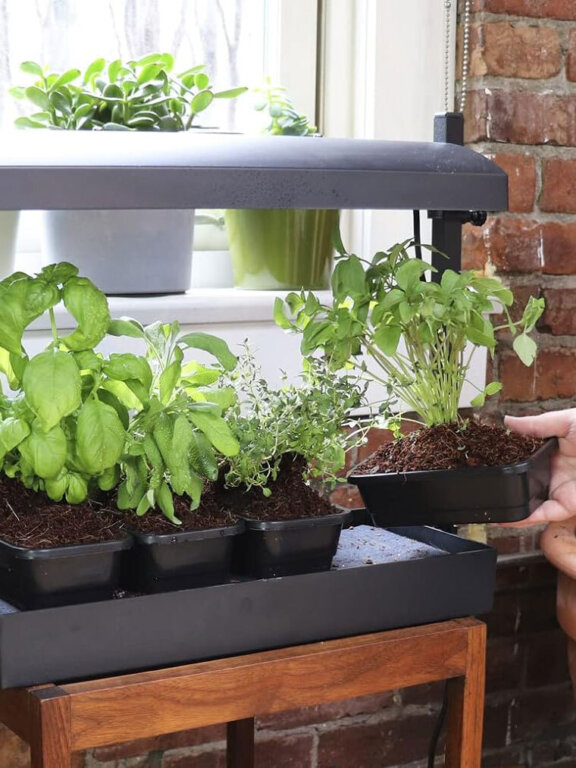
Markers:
(553, 424)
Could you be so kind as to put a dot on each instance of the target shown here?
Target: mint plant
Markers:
(312, 420)
(141, 95)
(62, 432)
(178, 435)
(412, 332)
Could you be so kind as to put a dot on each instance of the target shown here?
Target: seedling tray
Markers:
(131, 633)
(458, 496)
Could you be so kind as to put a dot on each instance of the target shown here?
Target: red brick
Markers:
(521, 170)
(533, 716)
(521, 117)
(559, 186)
(547, 659)
(204, 760)
(380, 744)
(505, 545)
(559, 317)
(515, 50)
(347, 496)
(325, 713)
(551, 9)
(552, 377)
(571, 58)
(179, 740)
(278, 752)
(559, 247)
(504, 664)
(514, 245)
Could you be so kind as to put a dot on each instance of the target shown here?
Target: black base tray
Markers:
(132, 633)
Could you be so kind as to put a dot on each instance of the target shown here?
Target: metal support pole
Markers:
(447, 229)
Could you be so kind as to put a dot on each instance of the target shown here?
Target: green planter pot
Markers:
(281, 248)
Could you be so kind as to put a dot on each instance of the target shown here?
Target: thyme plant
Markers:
(409, 334)
(310, 419)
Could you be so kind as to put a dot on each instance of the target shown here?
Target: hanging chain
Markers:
(465, 54)
(448, 51)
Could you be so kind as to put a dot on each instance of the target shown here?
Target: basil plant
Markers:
(78, 421)
(63, 431)
(411, 335)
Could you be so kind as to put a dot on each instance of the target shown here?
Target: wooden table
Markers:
(58, 720)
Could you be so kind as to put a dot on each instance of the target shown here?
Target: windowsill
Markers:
(201, 306)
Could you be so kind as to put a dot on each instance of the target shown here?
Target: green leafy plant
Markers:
(311, 420)
(285, 120)
(62, 431)
(413, 332)
(142, 95)
(178, 435)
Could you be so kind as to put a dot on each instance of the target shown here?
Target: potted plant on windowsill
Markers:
(417, 338)
(122, 251)
(61, 438)
(175, 443)
(8, 234)
(288, 437)
(275, 249)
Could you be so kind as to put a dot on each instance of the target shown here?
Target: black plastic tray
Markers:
(80, 641)
(457, 496)
(288, 547)
(34, 578)
(180, 560)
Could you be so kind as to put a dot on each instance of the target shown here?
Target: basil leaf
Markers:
(89, 307)
(45, 451)
(52, 386)
(100, 436)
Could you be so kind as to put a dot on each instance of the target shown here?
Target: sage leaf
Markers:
(213, 345)
(217, 431)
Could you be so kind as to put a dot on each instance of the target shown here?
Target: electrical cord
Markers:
(438, 729)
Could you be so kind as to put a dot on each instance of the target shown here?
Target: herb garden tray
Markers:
(132, 633)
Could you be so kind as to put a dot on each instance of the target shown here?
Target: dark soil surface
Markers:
(291, 497)
(450, 446)
(208, 515)
(30, 519)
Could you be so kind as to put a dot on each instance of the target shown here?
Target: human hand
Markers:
(561, 504)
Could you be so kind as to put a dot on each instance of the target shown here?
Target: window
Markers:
(239, 41)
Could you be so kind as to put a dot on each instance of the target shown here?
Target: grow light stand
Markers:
(447, 225)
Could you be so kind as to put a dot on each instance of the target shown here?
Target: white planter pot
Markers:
(8, 233)
(211, 262)
(124, 252)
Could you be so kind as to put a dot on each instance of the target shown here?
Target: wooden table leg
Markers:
(50, 745)
(240, 744)
(465, 713)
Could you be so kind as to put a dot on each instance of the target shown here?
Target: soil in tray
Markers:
(291, 497)
(30, 519)
(451, 446)
(209, 515)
